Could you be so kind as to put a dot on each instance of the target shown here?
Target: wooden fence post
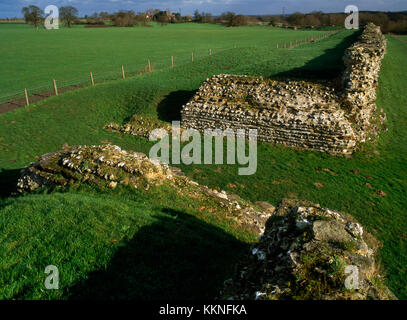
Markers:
(277, 45)
(27, 102)
(192, 56)
(172, 61)
(149, 66)
(123, 74)
(210, 52)
(55, 87)
(91, 79)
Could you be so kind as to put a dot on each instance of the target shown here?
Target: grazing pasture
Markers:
(160, 240)
(31, 59)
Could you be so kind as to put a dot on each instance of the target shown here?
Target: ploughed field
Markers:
(155, 243)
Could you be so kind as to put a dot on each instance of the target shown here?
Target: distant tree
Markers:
(124, 18)
(68, 15)
(266, 18)
(94, 19)
(33, 15)
(177, 17)
(311, 20)
(104, 15)
(188, 18)
(397, 16)
(253, 20)
(275, 20)
(150, 14)
(399, 27)
(239, 20)
(296, 19)
(162, 18)
(226, 18)
(197, 16)
(142, 19)
(380, 19)
(336, 19)
(317, 18)
(207, 17)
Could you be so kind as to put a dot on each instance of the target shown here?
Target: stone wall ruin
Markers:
(314, 116)
(300, 243)
(304, 254)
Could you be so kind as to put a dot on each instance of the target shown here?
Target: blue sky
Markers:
(12, 8)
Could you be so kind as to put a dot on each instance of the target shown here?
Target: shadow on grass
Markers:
(169, 109)
(328, 66)
(177, 257)
(8, 182)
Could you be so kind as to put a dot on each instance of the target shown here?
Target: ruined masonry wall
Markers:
(297, 113)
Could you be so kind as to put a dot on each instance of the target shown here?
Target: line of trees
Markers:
(203, 17)
(389, 22)
(69, 16)
(130, 18)
(35, 15)
(230, 19)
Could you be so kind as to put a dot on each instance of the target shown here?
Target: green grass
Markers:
(120, 245)
(67, 54)
(12, 21)
(78, 117)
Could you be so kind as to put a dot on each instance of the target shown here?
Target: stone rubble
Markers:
(303, 254)
(314, 116)
(109, 166)
(139, 126)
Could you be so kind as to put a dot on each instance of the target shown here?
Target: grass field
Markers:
(80, 221)
(70, 54)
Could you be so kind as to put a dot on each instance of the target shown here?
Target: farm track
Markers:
(35, 97)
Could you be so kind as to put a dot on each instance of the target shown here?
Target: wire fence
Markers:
(29, 95)
(91, 78)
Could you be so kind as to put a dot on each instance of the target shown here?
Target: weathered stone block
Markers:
(314, 116)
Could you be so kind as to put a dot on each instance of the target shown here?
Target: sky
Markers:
(12, 8)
